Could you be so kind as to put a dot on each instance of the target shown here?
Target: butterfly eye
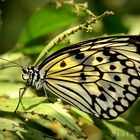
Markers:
(25, 75)
(25, 70)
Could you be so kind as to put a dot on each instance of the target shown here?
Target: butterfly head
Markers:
(28, 74)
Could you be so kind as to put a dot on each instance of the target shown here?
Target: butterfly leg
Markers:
(46, 96)
(21, 93)
(45, 92)
(51, 98)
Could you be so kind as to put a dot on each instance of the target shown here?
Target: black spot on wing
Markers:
(100, 88)
(77, 53)
(123, 62)
(126, 87)
(82, 75)
(106, 52)
(102, 97)
(62, 64)
(74, 52)
(79, 56)
(99, 59)
(117, 78)
(125, 70)
(113, 57)
(111, 88)
(112, 67)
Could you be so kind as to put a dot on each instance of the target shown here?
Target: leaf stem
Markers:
(70, 31)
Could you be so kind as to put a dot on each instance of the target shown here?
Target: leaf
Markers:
(22, 130)
(45, 21)
(117, 129)
(38, 110)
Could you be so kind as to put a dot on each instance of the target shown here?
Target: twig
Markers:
(68, 32)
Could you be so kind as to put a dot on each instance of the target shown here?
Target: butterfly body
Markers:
(99, 76)
(33, 77)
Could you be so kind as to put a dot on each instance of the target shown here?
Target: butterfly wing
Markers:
(99, 76)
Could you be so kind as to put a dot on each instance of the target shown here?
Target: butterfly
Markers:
(99, 76)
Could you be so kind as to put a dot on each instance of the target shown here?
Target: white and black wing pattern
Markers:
(99, 76)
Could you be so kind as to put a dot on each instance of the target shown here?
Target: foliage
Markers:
(40, 118)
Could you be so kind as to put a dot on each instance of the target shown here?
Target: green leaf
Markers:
(22, 130)
(117, 129)
(37, 109)
(45, 21)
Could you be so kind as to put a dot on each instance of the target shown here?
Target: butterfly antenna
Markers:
(16, 64)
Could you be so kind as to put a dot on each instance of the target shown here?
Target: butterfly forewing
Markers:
(99, 76)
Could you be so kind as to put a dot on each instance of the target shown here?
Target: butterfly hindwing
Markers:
(99, 76)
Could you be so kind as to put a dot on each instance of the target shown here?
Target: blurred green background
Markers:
(14, 14)
(26, 27)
